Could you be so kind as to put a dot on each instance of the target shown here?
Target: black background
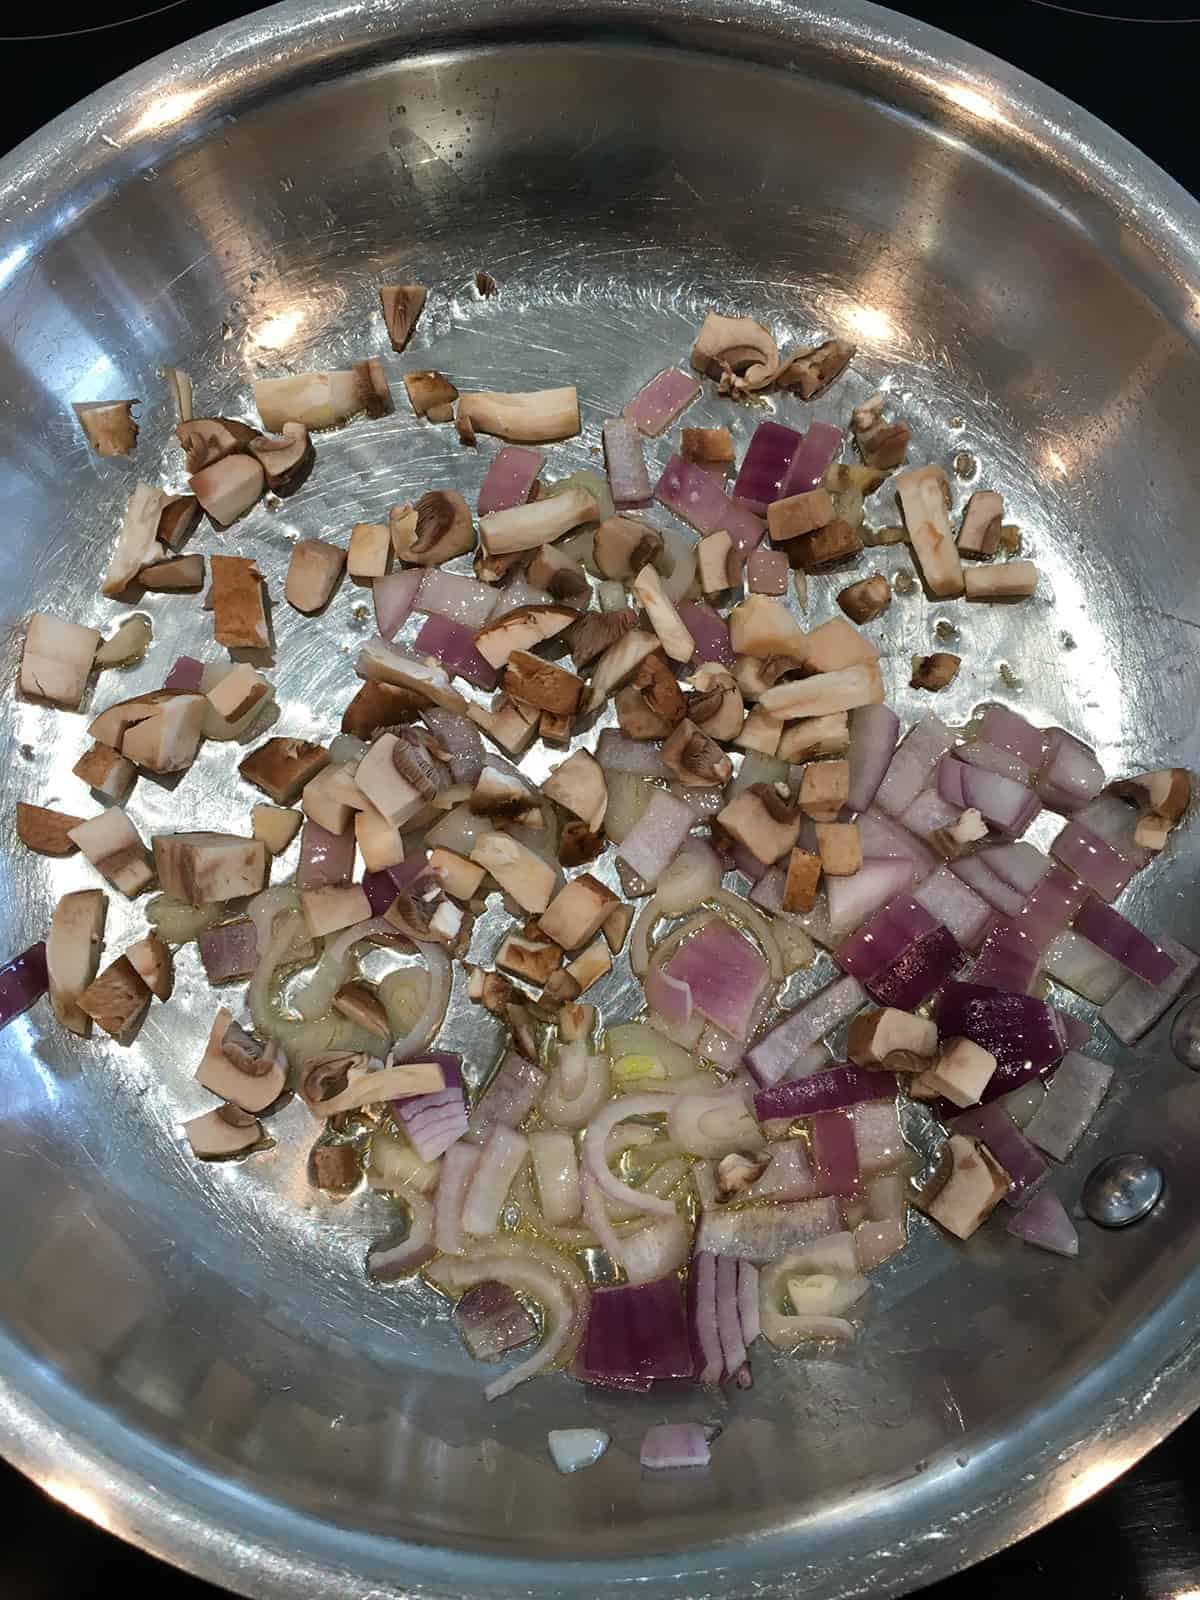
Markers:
(1140, 1539)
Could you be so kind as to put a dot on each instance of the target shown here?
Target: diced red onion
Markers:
(1018, 864)
(703, 1327)
(509, 479)
(748, 1308)
(767, 571)
(457, 1170)
(636, 1335)
(509, 1097)
(1072, 1099)
(628, 480)
(912, 765)
(764, 1232)
(1070, 775)
(878, 1140)
(1110, 819)
(1025, 1167)
(1006, 805)
(729, 1321)
(616, 752)
(765, 464)
(873, 734)
(185, 674)
(1109, 931)
(382, 887)
(504, 1153)
(992, 759)
(789, 1175)
(656, 405)
(433, 1122)
(833, 1090)
(1021, 1032)
(880, 942)
(770, 1058)
(1044, 1222)
(516, 593)
(919, 972)
(1137, 1005)
(1009, 958)
(394, 596)
(953, 903)
(1052, 906)
(655, 839)
(819, 448)
(710, 633)
(228, 951)
(724, 973)
(670, 997)
(493, 1321)
(455, 595)
(460, 739)
(1092, 860)
(698, 499)
(853, 899)
(325, 858)
(835, 1155)
(883, 839)
(1006, 730)
(929, 814)
(23, 981)
(454, 646)
(975, 872)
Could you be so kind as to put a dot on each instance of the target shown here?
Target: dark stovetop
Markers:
(1140, 1539)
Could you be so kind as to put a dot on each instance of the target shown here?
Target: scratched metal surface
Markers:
(191, 1354)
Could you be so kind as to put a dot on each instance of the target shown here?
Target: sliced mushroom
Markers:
(815, 736)
(983, 518)
(107, 772)
(652, 704)
(207, 440)
(333, 907)
(56, 660)
(397, 794)
(616, 926)
(763, 627)
(459, 877)
(1006, 580)
(579, 975)
(238, 692)
(379, 842)
(522, 630)
(934, 672)
(117, 1000)
(540, 683)
(372, 390)
(203, 868)
(168, 740)
(73, 947)
(761, 732)
(520, 873)
(491, 990)
(882, 445)
(227, 1131)
(137, 539)
(440, 528)
(662, 615)
(151, 960)
(402, 305)
(239, 612)
(114, 847)
(110, 726)
(371, 1083)
(579, 786)
(503, 796)
(709, 447)
(431, 395)
(177, 576)
(1166, 794)
(618, 664)
(834, 645)
(276, 827)
(286, 461)
(505, 533)
(849, 484)
(799, 514)
(763, 821)
(179, 517)
(47, 832)
(622, 546)
(332, 799)
(825, 693)
(824, 789)
(577, 844)
(867, 599)
(812, 371)
(715, 705)
(282, 767)
(180, 387)
(924, 496)
(370, 551)
(577, 912)
(803, 876)
(973, 1188)
(532, 960)
(335, 1167)
(696, 761)
(380, 705)
(876, 1035)
(128, 644)
(228, 488)
(540, 416)
(562, 579)
(596, 631)
(511, 725)
(837, 541)
(432, 919)
(737, 351)
(361, 1005)
(108, 425)
(314, 570)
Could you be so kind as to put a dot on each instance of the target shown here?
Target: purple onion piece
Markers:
(185, 674)
(493, 1321)
(675, 1444)
(1092, 860)
(228, 951)
(1070, 775)
(1009, 958)
(508, 1099)
(873, 734)
(881, 942)
(454, 647)
(1137, 1005)
(1044, 1222)
(912, 765)
(764, 467)
(1109, 931)
(1019, 1030)
(628, 480)
(1072, 1099)
(698, 499)
(325, 858)
(835, 1153)
(1008, 731)
(23, 981)
(919, 972)
(820, 447)
(509, 479)
(657, 404)
(776, 1052)
(1025, 1167)
(710, 632)
(823, 1091)
(637, 1335)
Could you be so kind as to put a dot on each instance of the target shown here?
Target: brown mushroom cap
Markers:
(695, 759)
(622, 546)
(402, 305)
(443, 529)
(288, 460)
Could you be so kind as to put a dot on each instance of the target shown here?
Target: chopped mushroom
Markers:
(47, 832)
(436, 529)
(924, 496)
(227, 1131)
(505, 533)
(379, 842)
(834, 645)
(335, 1166)
(715, 704)
(1162, 798)
(137, 539)
(983, 518)
(207, 440)
(202, 868)
(511, 725)
(107, 772)
(108, 425)
(837, 541)
(815, 736)
(595, 631)
(179, 517)
(799, 514)
(754, 676)
(867, 599)
(117, 1000)
(239, 613)
(577, 912)
(358, 1083)
(762, 627)
(579, 786)
(718, 563)
(73, 947)
(240, 1068)
(111, 725)
(737, 351)
(228, 488)
(520, 873)
(431, 395)
(762, 820)
(1005, 580)
(521, 630)
(616, 926)
(402, 305)
(562, 579)
(711, 448)
(57, 659)
(825, 693)
(274, 826)
(377, 706)
(881, 444)
(652, 703)
(179, 575)
(384, 663)
(760, 731)
(286, 461)
(361, 1005)
(840, 848)
(238, 692)
(530, 959)
(459, 877)
(323, 399)
(167, 740)
(491, 990)
(961, 1072)
(876, 1036)
(504, 795)
(577, 844)
(334, 907)
(975, 1186)
(128, 644)
(282, 767)
(540, 683)
(392, 792)
(314, 570)
(934, 672)
(622, 546)
(370, 551)
(587, 968)
(114, 847)
(803, 876)
(695, 759)
(824, 789)
(538, 417)
(662, 615)
(151, 960)
(812, 371)
(617, 665)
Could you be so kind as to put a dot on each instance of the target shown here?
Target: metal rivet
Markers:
(1121, 1190)
(1185, 1035)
